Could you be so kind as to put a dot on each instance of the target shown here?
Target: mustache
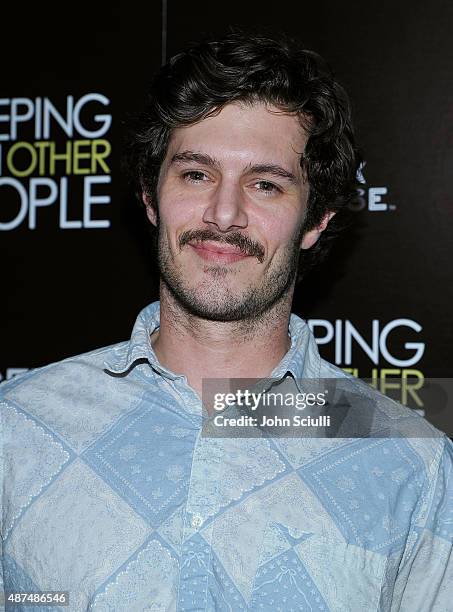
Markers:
(244, 244)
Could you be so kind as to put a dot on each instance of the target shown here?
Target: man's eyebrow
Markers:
(207, 160)
(192, 156)
(275, 170)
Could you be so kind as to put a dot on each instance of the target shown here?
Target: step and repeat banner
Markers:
(75, 251)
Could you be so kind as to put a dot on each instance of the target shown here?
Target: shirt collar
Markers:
(139, 346)
(302, 359)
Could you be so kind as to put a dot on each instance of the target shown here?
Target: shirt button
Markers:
(196, 521)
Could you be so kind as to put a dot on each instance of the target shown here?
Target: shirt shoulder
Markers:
(94, 358)
(371, 414)
(73, 400)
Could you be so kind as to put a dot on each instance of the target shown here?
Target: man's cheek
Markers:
(179, 213)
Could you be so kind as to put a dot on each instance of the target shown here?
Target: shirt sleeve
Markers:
(425, 580)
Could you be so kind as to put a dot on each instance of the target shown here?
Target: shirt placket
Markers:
(202, 505)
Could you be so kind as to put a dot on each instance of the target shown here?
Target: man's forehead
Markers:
(254, 133)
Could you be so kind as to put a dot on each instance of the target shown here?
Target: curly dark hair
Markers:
(198, 82)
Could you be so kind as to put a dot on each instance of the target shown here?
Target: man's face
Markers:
(231, 202)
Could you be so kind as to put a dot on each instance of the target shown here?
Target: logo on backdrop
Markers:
(49, 151)
(389, 347)
(373, 199)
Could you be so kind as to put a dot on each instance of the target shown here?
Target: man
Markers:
(116, 488)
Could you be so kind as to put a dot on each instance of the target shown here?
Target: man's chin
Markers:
(221, 308)
(205, 303)
(224, 297)
(223, 305)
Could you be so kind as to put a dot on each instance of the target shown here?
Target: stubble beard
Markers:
(214, 300)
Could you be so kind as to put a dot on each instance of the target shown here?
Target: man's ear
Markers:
(312, 236)
(150, 210)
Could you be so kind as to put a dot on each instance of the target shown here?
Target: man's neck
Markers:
(200, 348)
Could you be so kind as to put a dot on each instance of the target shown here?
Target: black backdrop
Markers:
(75, 257)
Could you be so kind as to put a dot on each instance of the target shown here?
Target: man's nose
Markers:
(226, 209)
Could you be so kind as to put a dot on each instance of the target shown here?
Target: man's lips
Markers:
(218, 252)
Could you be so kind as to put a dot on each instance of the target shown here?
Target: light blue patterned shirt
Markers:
(111, 493)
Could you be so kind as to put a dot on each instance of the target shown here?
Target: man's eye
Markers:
(267, 187)
(194, 176)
